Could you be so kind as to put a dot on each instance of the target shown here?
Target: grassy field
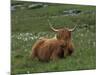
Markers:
(30, 24)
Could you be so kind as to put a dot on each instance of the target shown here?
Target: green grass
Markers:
(30, 24)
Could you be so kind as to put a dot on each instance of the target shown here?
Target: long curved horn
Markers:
(73, 28)
(52, 27)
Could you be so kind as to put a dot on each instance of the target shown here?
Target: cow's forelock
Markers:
(63, 34)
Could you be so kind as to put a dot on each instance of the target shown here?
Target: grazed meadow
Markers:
(27, 25)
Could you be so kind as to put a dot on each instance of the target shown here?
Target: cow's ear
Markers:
(58, 36)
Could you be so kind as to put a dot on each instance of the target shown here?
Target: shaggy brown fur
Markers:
(48, 49)
(65, 35)
(51, 49)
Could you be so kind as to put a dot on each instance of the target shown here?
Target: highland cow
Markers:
(60, 46)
